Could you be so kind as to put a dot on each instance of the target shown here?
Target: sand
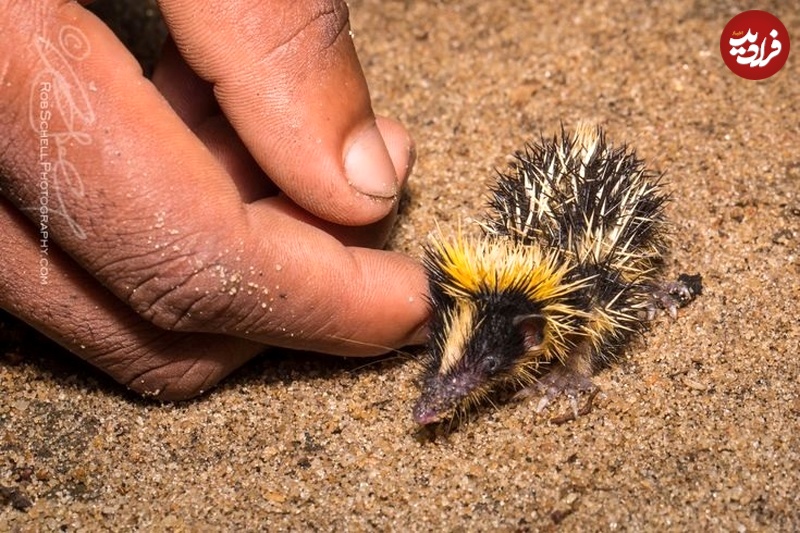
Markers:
(697, 428)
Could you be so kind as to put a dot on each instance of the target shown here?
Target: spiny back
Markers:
(595, 203)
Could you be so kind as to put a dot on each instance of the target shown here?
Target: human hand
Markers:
(140, 229)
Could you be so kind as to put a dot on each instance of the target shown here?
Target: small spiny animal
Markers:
(564, 274)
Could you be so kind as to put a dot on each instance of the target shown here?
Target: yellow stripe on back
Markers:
(473, 266)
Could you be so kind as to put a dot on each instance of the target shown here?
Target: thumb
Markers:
(293, 89)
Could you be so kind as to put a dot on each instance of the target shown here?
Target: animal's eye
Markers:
(491, 364)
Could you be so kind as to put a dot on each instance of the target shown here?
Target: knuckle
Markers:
(175, 290)
(172, 367)
(329, 21)
(173, 381)
(183, 301)
(154, 364)
(165, 365)
(316, 24)
(169, 382)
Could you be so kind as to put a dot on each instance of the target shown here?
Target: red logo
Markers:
(754, 45)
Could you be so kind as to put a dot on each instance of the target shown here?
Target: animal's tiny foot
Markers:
(557, 382)
(662, 299)
(673, 295)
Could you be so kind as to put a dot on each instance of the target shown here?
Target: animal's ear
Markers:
(532, 328)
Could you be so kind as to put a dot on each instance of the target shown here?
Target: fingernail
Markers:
(368, 167)
(420, 335)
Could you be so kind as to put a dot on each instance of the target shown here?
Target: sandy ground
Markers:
(698, 429)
